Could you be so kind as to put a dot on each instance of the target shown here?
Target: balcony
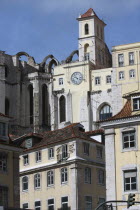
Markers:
(62, 157)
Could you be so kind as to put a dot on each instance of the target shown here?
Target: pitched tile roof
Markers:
(88, 13)
(98, 131)
(51, 137)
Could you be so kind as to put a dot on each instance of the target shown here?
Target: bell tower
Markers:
(91, 37)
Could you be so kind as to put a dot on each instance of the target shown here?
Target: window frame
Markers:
(138, 104)
(24, 204)
(131, 61)
(37, 206)
(62, 202)
(37, 181)
(101, 178)
(50, 153)
(49, 205)
(121, 77)
(50, 178)
(3, 129)
(108, 79)
(3, 162)
(64, 175)
(130, 73)
(25, 160)
(61, 81)
(88, 175)
(23, 183)
(98, 154)
(88, 202)
(120, 63)
(86, 148)
(129, 173)
(127, 133)
(97, 80)
(38, 156)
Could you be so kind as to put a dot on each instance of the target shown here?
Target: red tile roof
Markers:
(3, 115)
(98, 131)
(88, 13)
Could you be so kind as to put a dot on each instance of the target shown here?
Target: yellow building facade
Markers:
(62, 168)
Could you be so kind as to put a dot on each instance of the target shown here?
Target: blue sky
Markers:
(42, 27)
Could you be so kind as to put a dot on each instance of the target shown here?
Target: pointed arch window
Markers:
(105, 112)
(30, 88)
(45, 105)
(62, 105)
(86, 29)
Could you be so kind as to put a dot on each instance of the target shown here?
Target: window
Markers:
(88, 175)
(25, 160)
(60, 81)
(130, 180)
(129, 139)
(50, 178)
(121, 60)
(132, 73)
(86, 29)
(99, 152)
(64, 203)
(88, 203)
(28, 143)
(136, 104)
(25, 205)
(51, 204)
(3, 196)
(3, 129)
(64, 175)
(108, 79)
(131, 58)
(87, 56)
(25, 183)
(51, 153)
(3, 161)
(121, 75)
(62, 104)
(86, 148)
(38, 156)
(86, 52)
(37, 205)
(97, 81)
(105, 112)
(37, 181)
(101, 179)
(64, 151)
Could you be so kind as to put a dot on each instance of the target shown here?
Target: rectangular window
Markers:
(132, 73)
(28, 143)
(64, 175)
(88, 175)
(108, 79)
(51, 204)
(129, 140)
(99, 152)
(25, 205)
(64, 203)
(131, 58)
(64, 151)
(37, 205)
(121, 60)
(130, 180)
(60, 81)
(3, 129)
(86, 148)
(51, 153)
(136, 104)
(101, 178)
(4, 196)
(38, 156)
(121, 75)
(25, 160)
(97, 81)
(50, 178)
(3, 161)
(88, 203)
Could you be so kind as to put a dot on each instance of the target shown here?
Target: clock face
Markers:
(76, 78)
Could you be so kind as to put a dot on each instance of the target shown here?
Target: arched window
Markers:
(86, 52)
(86, 29)
(45, 105)
(25, 183)
(50, 178)
(105, 112)
(7, 106)
(37, 181)
(64, 175)
(31, 112)
(62, 104)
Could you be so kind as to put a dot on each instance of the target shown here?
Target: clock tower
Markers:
(91, 39)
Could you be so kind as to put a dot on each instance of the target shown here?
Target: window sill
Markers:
(38, 161)
(64, 183)
(37, 188)
(25, 191)
(129, 149)
(130, 191)
(50, 186)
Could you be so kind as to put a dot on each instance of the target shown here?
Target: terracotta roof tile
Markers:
(88, 13)
(98, 131)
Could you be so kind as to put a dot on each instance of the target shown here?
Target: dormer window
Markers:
(86, 29)
(136, 104)
(28, 143)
